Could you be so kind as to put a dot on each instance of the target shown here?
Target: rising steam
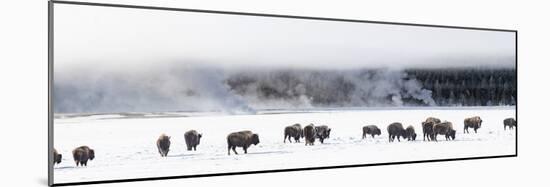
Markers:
(233, 91)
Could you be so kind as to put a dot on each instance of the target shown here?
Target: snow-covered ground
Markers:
(125, 144)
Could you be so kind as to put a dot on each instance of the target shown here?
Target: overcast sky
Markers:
(121, 37)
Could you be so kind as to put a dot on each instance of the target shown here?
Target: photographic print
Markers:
(145, 93)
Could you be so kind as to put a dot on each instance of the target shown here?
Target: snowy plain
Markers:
(125, 147)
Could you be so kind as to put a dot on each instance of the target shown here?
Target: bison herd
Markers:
(431, 127)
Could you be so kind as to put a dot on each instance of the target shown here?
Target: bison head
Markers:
(57, 158)
(404, 134)
(452, 133)
(255, 139)
(327, 133)
(377, 132)
(480, 122)
(92, 154)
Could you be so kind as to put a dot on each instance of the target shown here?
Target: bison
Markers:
(427, 127)
(192, 139)
(445, 128)
(56, 157)
(322, 132)
(473, 122)
(293, 131)
(371, 130)
(510, 123)
(309, 134)
(396, 130)
(82, 154)
(241, 139)
(163, 145)
(409, 132)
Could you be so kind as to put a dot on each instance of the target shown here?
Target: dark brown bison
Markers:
(371, 130)
(434, 120)
(163, 145)
(241, 139)
(82, 154)
(322, 132)
(293, 131)
(309, 134)
(192, 139)
(473, 122)
(427, 130)
(510, 123)
(409, 132)
(427, 127)
(56, 157)
(445, 128)
(396, 130)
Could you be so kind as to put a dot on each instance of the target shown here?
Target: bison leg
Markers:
(372, 135)
(364, 135)
(466, 130)
(284, 140)
(245, 149)
(475, 130)
(229, 150)
(235, 151)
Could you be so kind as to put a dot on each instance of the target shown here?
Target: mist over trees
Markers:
(380, 87)
(469, 87)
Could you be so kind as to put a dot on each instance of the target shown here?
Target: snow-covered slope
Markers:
(125, 146)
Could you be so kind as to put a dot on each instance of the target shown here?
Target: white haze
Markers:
(104, 36)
